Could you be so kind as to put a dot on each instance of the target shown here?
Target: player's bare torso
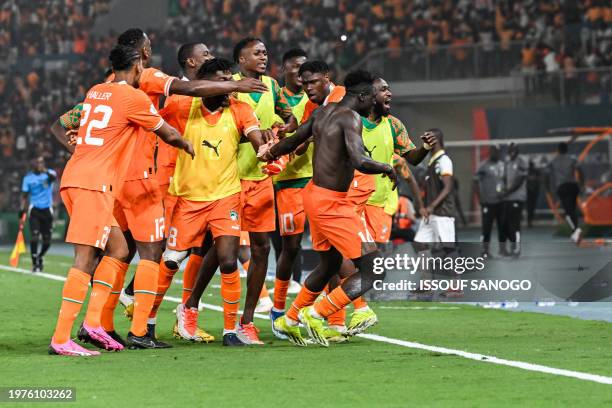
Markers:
(332, 168)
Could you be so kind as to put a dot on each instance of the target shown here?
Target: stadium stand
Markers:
(49, 56)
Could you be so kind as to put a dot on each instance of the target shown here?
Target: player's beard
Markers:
(380, 110)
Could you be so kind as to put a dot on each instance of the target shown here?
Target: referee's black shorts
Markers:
(41, 221)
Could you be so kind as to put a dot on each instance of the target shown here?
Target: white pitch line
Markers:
(375, 337)
(492, 359)
(419, 307)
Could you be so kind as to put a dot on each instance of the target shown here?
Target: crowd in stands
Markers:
(559, 35)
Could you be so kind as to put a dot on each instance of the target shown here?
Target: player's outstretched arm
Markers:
(416, 156)
(201, 88)
(403, 170)
(288, 144)
(351, 125)
(256, 138)
(172, 136)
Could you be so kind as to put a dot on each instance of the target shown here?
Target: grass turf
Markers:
(360, 373)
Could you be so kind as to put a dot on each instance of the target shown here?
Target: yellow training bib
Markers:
(249, 168)
(299, 166)
(378, 141)
(213, 173)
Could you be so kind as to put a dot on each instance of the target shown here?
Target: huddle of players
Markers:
(212, 173)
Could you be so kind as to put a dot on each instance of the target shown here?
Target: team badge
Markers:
(234, 215)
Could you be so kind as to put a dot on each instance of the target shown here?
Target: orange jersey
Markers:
(335, 95)
(154, 83)
(113, 115)
(166, 154)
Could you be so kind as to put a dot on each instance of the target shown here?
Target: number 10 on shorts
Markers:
(287, 223)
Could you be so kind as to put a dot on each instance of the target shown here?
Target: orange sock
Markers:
(164, 280)
(245, 265)
(103, 280)
(337, 318)
(108, 321)
(264, 292)
(333, 302)
(359, 303)
(73, 296)
(190, 274)
(303, 299)
(280, 293)
(230, 292)
(145, 287)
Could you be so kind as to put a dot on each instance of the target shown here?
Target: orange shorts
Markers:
(169, 202)
(257, 199)
(334, 222)
(379, 223)
(191, 219)
(164, 175)
(91, 216)
(362, 187)
(291, 217)
(139, 208)
(244, 239)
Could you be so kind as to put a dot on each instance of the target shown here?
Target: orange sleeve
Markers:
(337, 94)
(141, 111)
(176, 111)
(308, 109)
(155, 82)
(245, 117)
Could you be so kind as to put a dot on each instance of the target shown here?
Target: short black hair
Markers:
(294, 53)
(134, 37)
(439, 135)
(185, 52)
(123, 57)
(562, 147)
(314, 66)
(212, 66)
(242, 44)
(356, 81)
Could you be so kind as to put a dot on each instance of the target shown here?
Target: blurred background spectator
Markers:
(49, 55)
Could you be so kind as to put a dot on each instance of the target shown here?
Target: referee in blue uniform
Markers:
(37, 199)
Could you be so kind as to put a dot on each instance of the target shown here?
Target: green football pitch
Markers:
(399, 367)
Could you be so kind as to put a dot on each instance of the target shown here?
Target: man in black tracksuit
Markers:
(513, 199)
(489, 183)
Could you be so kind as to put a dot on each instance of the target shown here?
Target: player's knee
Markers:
(46, 238)
(173, 258)
(228, 264)
(291, 248)
(150, 251)
(120, 252)
(260, 250)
